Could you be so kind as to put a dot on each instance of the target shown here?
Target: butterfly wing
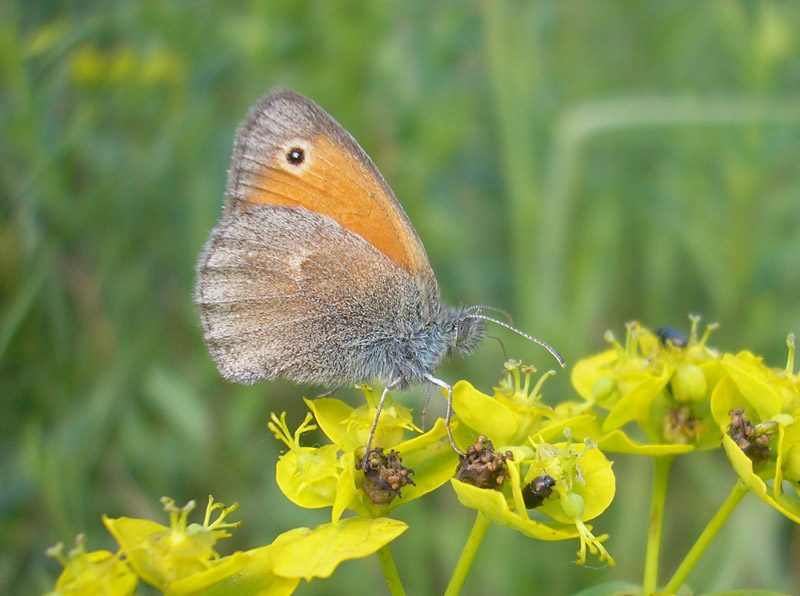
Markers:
(315, 263)
(284, 292)
(336, 177)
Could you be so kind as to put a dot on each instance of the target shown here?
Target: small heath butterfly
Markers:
(315, 273)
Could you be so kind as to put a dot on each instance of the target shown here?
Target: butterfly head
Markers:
(469, 331)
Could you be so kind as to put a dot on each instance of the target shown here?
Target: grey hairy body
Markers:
(285, 292)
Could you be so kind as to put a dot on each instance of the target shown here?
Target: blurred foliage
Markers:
(580, 164)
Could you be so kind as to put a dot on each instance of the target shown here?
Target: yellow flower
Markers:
(512, 467)
(758, 409)
(566, 484)
(181, 559)
(301, 553)
(308, 476)
(655, 389)
(96, 572)
(514, 412)
(161, 555)
(327, 476)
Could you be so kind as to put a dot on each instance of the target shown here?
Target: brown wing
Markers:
(286, 292)
(333, 176)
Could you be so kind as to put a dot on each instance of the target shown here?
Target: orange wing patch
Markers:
(337, 184)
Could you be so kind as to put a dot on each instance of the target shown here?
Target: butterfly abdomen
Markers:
(409, 354)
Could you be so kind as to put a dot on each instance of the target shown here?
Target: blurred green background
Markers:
(580, 164)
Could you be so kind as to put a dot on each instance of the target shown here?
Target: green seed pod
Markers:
(688, 384)
(573, 505)
(603, 388)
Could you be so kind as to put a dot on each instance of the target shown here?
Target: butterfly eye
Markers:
(295, 156)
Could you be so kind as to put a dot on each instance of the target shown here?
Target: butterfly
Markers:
(315, 273)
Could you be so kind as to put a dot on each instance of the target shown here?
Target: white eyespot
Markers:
(295, 155)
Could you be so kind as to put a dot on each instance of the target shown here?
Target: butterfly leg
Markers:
(449, 414)
(386, 390)
(424, 410)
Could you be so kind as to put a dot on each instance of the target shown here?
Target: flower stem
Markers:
(390, 572)
(711, 529)
(468, 554)
(661, 468)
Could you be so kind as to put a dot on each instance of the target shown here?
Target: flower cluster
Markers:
(551, 484)
(182, 559)
(519, 462)
(758, 410)
(667, 394)
(399, 471)
(655, 391)
(582, 483)
(96, 572)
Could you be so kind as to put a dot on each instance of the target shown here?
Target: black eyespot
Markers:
(295, 156)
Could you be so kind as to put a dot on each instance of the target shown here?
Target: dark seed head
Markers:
(745, 435)
(385, 476)
(482, 466)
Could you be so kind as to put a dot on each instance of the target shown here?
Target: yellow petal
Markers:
(618, 442)
(635, 404)
(248, 572)
(597, 490)
(494, 506)
(432, 459)
(743, 466)
(586, 372)
(332, 416)
(96, 572)
(308, 476)
(753, 381)
(159, 555)
(319, 552)
(484, 414)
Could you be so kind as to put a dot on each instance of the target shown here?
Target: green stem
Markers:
(390, 572)
(468, 554)
(714, 526)
(661, 468)
(513, 72)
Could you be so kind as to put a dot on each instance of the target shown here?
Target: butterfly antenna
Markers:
(480, 307)
(502, 345)
(535, 340)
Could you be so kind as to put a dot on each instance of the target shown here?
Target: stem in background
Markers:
(390, 572)
(711, 530)
(514, 70)
(661, 467)
(467, 557)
